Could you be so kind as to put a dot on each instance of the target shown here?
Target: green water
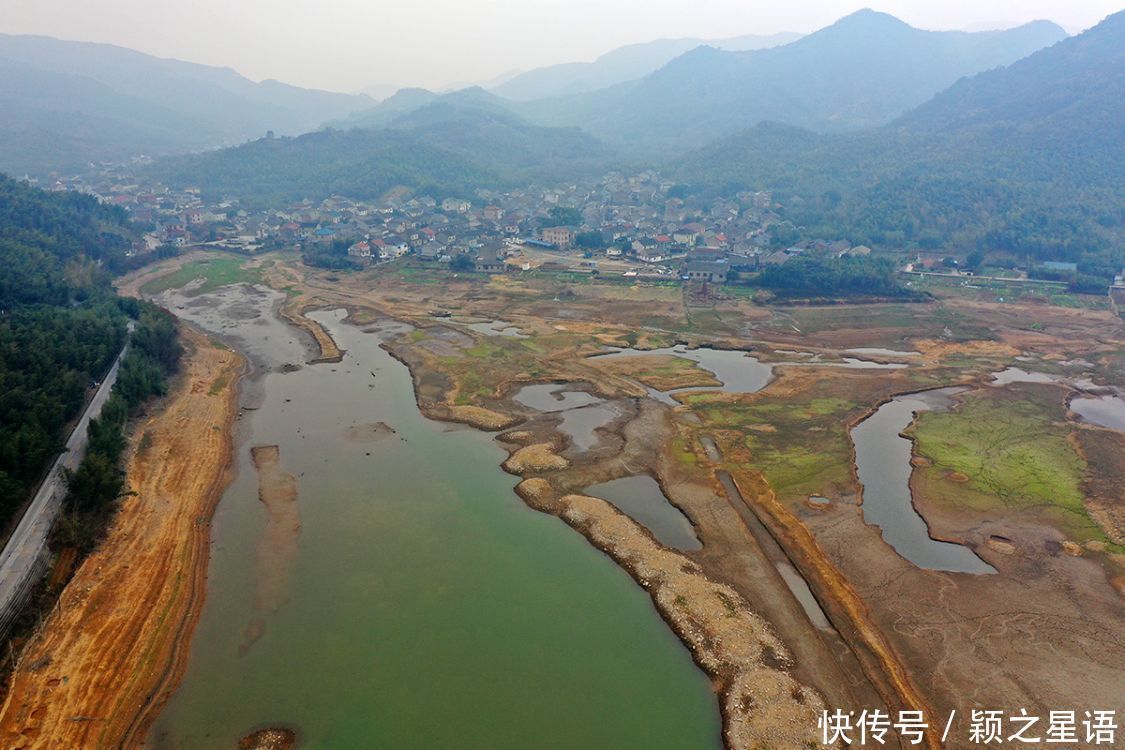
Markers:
(428, 607)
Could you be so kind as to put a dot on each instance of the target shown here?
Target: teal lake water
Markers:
(427, 606)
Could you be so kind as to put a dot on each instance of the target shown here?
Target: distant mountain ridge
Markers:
(407, 100)
(1028, 159)
(81, 101)
(623, 64)
(862, 71)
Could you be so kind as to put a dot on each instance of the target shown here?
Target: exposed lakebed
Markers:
(427, 606)
(1095, 406)
(494, 328)
(738, 371)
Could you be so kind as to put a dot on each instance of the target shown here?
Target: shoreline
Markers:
(105, 661)
(715, 657)
(595, 520)
(744, 670)
(630, 546)
(176, 667)
(845, 608)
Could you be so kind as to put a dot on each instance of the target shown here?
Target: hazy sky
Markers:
(347, 45)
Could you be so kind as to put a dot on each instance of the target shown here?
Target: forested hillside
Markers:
(449, 147)
(1027, 159)
(61, 325)
(356, 163)
(154, 354)
(517, 150)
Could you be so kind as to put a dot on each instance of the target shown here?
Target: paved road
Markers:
(22, 558)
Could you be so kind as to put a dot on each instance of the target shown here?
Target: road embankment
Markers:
(112, 651)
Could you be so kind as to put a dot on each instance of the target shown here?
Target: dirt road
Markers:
(109, 654)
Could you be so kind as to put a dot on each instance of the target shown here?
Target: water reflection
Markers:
(641, 499)
(882, 458)
(737, 371)
(1104, 411)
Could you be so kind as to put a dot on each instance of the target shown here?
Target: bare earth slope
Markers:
(129, 610)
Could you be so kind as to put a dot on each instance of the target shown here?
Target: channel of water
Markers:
(738, 371)
(641, 498)
(882, 459)
(582, 413)
(1105, 411)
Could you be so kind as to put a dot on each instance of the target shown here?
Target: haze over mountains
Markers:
(65, 103)
(623, 64)
(862, 71)
(869, 128)
(1028, 158)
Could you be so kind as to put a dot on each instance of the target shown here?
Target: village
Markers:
(637, 226)
(640, 226)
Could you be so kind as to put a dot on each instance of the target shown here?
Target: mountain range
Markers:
(1012, 157)
(869, 129)
(1029, 159)
(63, 104)
(623, 64)
(862, 71)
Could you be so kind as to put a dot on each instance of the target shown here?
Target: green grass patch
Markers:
(219, 385)
(1013, 446)
(802, 467)
(683, 452)
(800, 444)
(216, 272)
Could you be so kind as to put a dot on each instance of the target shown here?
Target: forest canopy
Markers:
(819, 275)
(61, 325)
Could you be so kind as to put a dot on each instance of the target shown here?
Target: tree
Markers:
(96, 482)
(827, 276)
(591, 240)
(561, 216)
(462, 262)
(1086, 284)
(783, 235)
